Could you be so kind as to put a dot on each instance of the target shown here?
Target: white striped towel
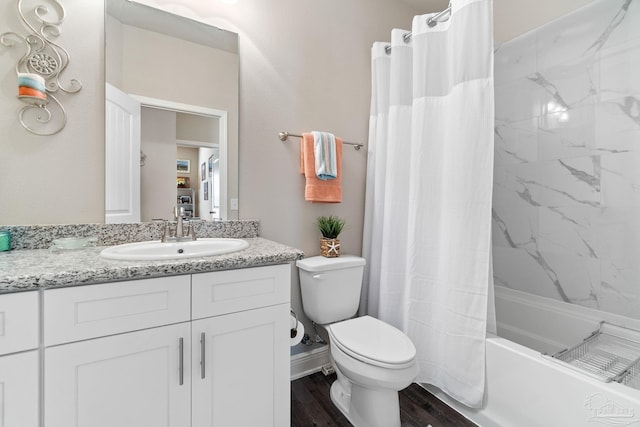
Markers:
(325, 155)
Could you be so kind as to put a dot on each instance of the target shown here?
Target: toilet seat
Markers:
(374, 342)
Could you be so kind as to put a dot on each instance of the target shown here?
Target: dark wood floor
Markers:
(311, 406)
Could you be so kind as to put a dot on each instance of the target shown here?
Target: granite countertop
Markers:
(22, 270)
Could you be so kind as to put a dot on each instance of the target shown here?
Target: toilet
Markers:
(373, 360)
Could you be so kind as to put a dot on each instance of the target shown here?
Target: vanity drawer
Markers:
(82, 312)
(18, 322)
(231, 291)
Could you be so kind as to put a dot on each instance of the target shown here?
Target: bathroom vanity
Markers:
(197, 344)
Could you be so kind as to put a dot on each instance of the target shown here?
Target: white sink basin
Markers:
(156, 250)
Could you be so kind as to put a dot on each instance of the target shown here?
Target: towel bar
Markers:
(285, 135)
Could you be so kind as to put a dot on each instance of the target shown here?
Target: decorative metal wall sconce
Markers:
(39, 70)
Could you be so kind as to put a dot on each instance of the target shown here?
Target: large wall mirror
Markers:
(182, 78)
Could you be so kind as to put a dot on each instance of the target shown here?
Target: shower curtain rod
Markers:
(284, 135)
(431, 22)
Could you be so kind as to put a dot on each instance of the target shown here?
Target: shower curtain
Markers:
(427, 236)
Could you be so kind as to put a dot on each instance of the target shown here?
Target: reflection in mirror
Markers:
(198, 140)
(171, 132)
(183, 75)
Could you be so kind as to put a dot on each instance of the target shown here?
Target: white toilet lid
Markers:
(373, 341)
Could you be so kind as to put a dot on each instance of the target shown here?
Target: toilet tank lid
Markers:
(320, 263)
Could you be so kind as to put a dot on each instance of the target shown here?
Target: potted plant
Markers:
(330, 227)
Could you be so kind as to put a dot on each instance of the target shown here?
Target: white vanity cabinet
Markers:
(208, 349)
(99, 374)
(19, 360)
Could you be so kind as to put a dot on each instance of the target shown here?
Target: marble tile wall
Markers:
(566, 208)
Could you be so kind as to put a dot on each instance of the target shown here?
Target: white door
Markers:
(244, 381)
(19, 399)
(122, 157)
(138, 379)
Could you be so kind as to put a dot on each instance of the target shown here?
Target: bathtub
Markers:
(525, 388)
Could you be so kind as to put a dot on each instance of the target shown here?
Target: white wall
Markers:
(158, 192)
(113, 51)
(191, 127)
(55, 179)
(512, 18)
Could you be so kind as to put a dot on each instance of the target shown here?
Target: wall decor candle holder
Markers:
(40, 68)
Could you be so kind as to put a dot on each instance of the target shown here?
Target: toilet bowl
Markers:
(373, 360)
(376, 361)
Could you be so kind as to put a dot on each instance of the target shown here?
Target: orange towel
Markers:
(317, 190)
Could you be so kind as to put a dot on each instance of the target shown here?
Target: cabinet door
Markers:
(19, 317)
(138, 379)
(19, 390)
(244, 381)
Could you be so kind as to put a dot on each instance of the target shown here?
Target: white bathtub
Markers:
(525, 388)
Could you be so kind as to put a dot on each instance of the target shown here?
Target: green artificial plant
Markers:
(330, 226)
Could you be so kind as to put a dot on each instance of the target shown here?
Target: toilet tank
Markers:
(330, 287)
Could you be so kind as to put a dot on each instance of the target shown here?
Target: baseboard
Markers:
(309, 362)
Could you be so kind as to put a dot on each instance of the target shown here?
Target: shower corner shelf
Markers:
(612, 353)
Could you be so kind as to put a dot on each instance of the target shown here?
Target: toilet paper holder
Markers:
(294, 330)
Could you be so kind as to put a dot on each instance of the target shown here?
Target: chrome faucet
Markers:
(178, 234)
(178, 212)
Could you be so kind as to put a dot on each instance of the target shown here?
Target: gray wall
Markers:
(55, 179)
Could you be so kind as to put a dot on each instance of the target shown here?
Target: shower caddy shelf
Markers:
(612, 353)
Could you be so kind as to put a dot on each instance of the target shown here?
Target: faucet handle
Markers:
(190, 231)
(166, 233)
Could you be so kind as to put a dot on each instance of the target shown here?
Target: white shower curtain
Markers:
(429, 185)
